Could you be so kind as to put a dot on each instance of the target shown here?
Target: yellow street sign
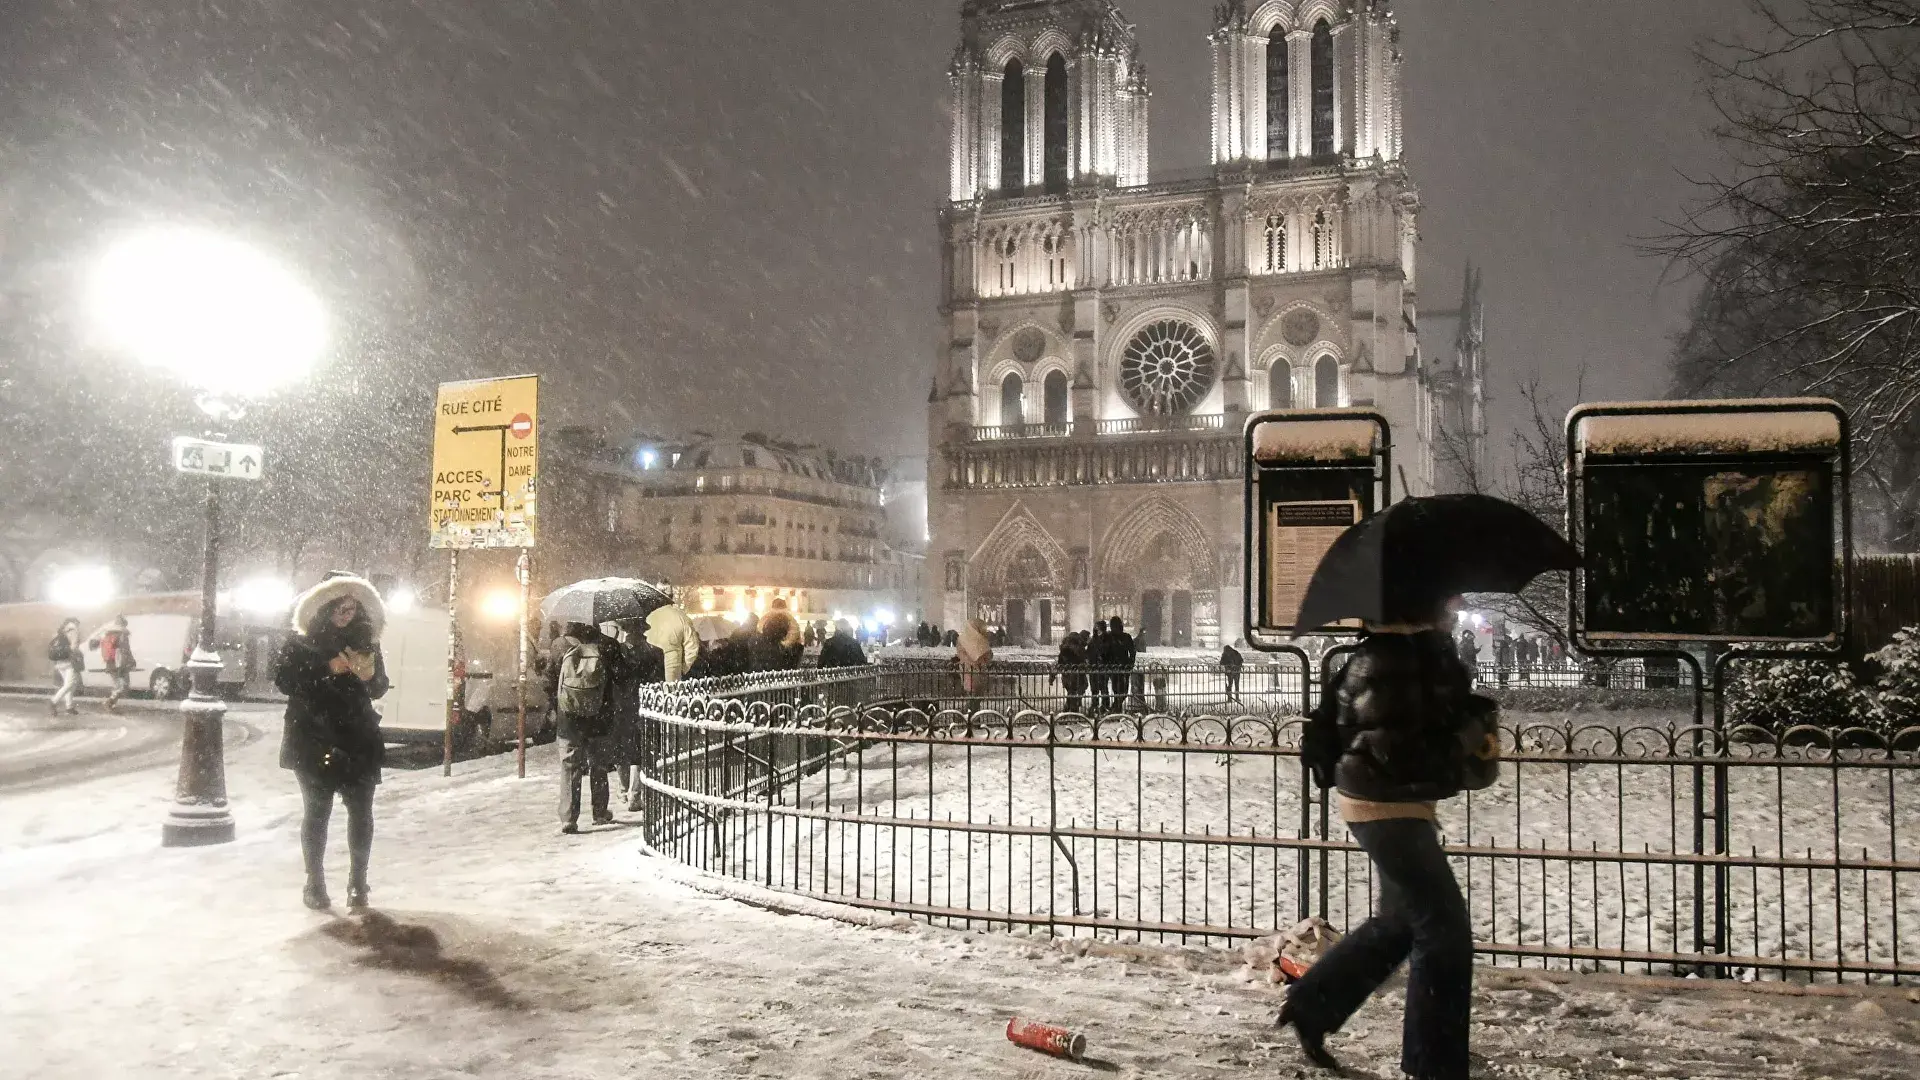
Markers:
(486, 463)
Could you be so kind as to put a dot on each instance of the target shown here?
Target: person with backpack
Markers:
(1399, 728)
(116, 655)
(332, 671)
(1230, 664)
(69, 664)
(591, 665)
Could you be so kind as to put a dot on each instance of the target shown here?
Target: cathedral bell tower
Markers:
(1046, 95)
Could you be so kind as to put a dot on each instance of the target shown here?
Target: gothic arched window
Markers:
(1054, 390)
(1013, 127)
(1326, 384)
(1007, 249)
(1054, 130)
(1277, 91)
(1322, 240)
(1280, 385)
(1321, 54)
(1012, 401)
(1276, 243)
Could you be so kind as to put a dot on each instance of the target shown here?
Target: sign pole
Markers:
(525, 573)
(199, 814)
(454, 673)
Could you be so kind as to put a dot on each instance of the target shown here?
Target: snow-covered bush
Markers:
(1779, 694)
(1896, 686)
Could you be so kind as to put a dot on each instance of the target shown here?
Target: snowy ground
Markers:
(508, 951)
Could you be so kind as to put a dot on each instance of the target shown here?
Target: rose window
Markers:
(1166, 369)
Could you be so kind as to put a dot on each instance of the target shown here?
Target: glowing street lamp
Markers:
(231, 324)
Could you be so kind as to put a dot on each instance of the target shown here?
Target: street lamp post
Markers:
(231, 323)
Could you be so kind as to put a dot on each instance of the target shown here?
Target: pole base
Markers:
(196, 826)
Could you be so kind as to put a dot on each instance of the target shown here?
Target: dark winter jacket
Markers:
(1116, 650)
(1401, 703)
(1072, 662)
(770, 649)
(842, 650)
(619, 674)
(641, 663)
(328, 712)
(1230, 660)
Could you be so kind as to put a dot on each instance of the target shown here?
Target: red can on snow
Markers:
(1046, 1038)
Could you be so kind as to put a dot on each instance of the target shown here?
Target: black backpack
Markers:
(60, 650)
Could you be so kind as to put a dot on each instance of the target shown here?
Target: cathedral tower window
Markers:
(1276, 244)
(1326, 384)
(1322, 241)
(1280, 385)
(1012, 401)
(1054, 391)
(1277, 92)
(1007, 250)
(1055, 246)
(1321, 56)
(1054, 133)
(1013, 127)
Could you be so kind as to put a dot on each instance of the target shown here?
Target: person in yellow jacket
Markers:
(671, 630)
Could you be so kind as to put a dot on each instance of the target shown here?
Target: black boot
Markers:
(1312, 1043)
(315, 894)
(357, 897)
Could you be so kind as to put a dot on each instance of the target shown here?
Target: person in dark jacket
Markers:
(588, 717)
(642, 663)
(842, 649)
(772, 647)
(1098, 659)
(1129, 687)
(332, 671)
(1073, 668)
(1470, 653)
(1230, 664)
(1391, 731)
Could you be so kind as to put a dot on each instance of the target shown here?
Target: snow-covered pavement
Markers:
(505, 950)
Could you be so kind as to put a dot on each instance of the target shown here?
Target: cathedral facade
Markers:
(1107, 333)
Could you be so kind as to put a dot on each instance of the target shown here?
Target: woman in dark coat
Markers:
(1398, 730)
(772, 648)
(332, 672)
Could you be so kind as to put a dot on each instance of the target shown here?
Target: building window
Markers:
(1277, 91)
(1054, 135)
(1013, 127)
(1055, 246)
(1321, 53)
(1326, 384)
(1322, 240)
(1054, 391)
(1276, 244)
(1280, 385)
(1006, 249)
(1012, 401)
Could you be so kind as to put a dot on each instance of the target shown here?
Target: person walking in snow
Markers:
(1230, 663)
(670, 629)
(642, 663)
(116, 655)
(1072, 665)
(591, 668)
(69, 661)
(776, 645)
(1129, 686)
(1470, 654)
(1397, 730)
(842, 649)
(332, 672)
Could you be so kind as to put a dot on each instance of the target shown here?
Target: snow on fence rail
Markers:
(1680, 850)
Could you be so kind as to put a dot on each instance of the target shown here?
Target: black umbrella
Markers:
(603, 600)
(1401, 564)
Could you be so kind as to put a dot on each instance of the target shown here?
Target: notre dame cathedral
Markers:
(1108, 333)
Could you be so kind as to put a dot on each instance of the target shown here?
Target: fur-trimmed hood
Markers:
(308, 606)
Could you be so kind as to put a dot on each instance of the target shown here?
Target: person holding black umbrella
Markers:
(1397, 730)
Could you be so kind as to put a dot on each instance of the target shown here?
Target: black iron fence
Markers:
(1683, 849)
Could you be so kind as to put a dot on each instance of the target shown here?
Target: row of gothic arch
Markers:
(1284, 391)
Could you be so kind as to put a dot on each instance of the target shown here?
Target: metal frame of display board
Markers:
(1380, 465)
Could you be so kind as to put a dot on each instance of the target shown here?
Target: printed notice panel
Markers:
(1298, 536)
(1710, 551)
(486, 464)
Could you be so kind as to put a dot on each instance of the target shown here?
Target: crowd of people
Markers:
(68, 657)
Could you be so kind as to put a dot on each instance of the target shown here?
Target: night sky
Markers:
(722, 214)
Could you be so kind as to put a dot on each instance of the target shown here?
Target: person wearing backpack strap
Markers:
(585, 680)
(69, 660)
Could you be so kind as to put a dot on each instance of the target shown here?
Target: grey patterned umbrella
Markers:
(603, 600)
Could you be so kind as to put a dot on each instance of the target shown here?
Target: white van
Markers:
(415, 707)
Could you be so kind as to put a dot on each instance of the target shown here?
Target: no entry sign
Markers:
(521, 426)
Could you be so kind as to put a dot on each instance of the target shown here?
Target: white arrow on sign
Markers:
(241, 461)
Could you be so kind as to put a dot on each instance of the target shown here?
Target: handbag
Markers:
(1479, 743)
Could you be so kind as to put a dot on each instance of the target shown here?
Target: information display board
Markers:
(1709, 521)
(1310, 475)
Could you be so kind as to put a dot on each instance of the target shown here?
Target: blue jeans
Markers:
(1422, 917)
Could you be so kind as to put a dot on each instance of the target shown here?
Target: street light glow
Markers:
(264, 596)
(501, 605)
(211, 311)
(82, 588)
(402, 600)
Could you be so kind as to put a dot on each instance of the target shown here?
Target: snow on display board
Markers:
(1708, 521)
(1311, 474)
